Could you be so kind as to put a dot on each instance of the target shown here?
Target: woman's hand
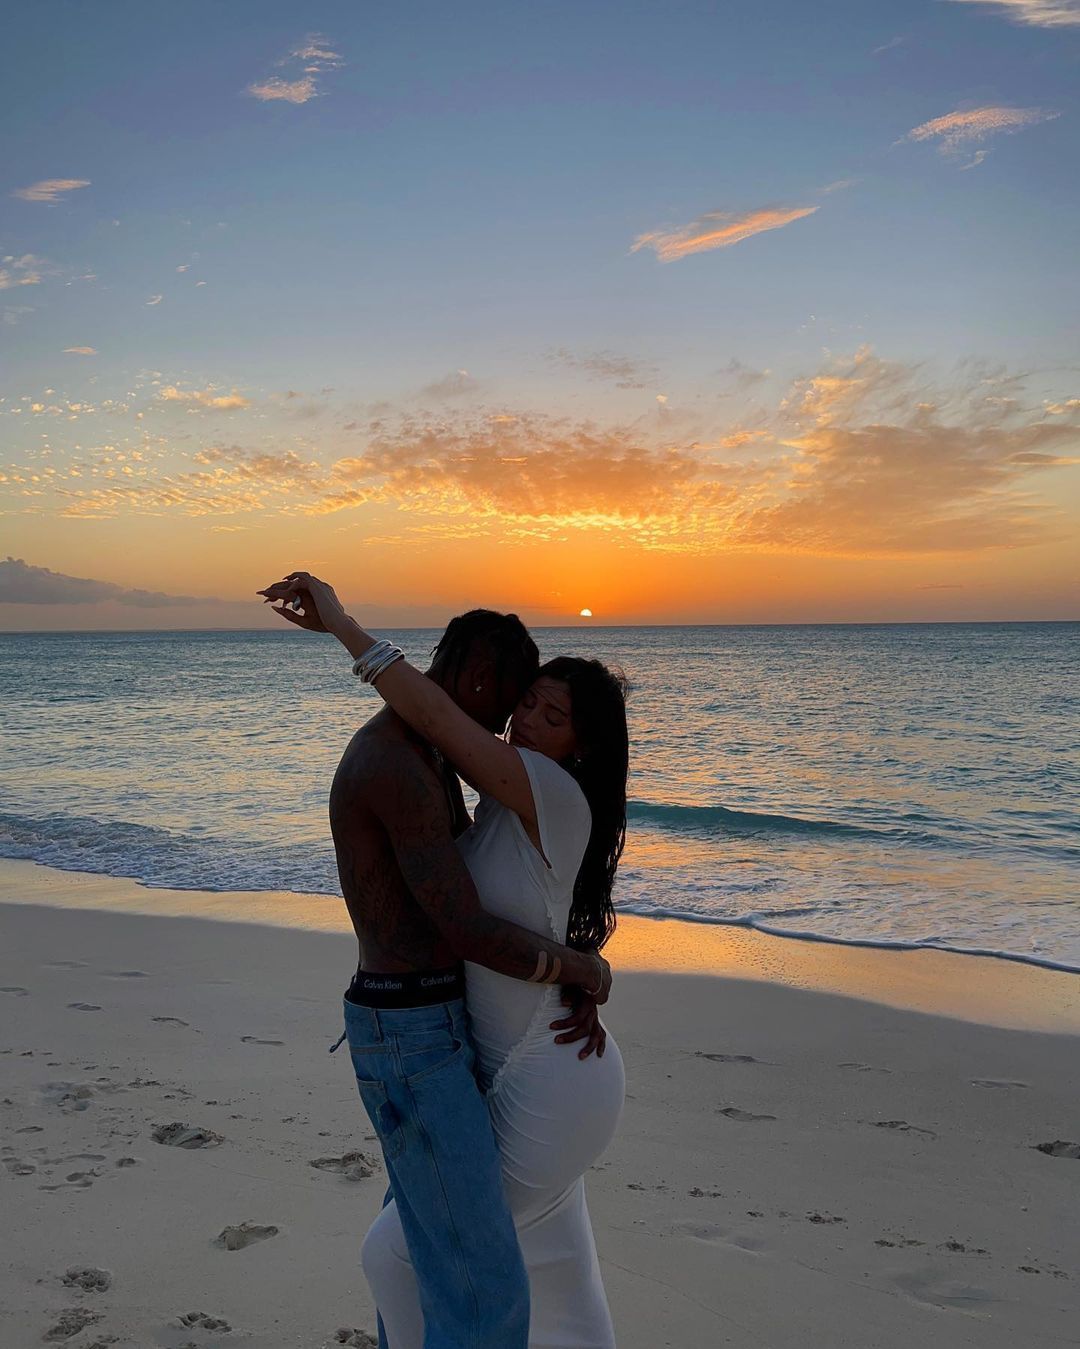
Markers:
(322, 611)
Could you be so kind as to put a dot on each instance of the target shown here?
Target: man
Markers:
(394, 808)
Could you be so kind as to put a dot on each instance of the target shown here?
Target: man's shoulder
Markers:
(379, 755)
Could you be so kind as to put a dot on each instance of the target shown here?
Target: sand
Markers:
(821, 1146)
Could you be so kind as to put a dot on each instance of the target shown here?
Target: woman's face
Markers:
(542, 720)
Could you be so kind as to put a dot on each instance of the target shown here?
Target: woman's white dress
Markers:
(553, 1113)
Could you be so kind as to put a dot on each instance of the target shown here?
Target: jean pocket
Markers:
(419, 1064)
(384, 1117)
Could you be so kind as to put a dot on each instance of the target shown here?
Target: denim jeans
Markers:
(415, 1073)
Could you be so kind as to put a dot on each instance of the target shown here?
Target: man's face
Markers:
(495, 701)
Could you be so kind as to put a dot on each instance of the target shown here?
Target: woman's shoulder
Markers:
(552, 778)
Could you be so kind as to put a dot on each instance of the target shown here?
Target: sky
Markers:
(753, 312)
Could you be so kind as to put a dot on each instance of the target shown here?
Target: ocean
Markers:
(893, 785)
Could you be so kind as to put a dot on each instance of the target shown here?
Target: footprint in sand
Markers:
(204, 1321)
(997, 1082)
(16, 1168)
(15, 991)
(711, 1232)
(352, 1165)
(902, 1126)
(70, 1323)
(744, 1116)
(65, 965)
(827, 1219)
(1059, 1148)
(253, 1040)
(926, 1285)
(702, 1231)
(84, 1007)
(247, 1234)
(170, 1020)
(731, 1058)
(125, 974)
(30, 1129)
(68, 1096)
(864, 1068)
(88, 1278)
(355, 1339)
(179, 1135)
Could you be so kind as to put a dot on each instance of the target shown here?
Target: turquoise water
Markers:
(886, 784)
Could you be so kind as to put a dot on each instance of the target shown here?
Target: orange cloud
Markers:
(205, 398)
(314, 54)
(957, 130)
(1034, 13)
(861, 457)
(80, 351)
(718, 229)
(287, 91)
(21, 271)
(50, 190)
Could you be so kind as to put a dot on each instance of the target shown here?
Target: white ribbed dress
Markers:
(553, 1113)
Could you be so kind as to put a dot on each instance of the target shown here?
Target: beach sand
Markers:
(822, 1146)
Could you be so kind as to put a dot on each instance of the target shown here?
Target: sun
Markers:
(585, 613)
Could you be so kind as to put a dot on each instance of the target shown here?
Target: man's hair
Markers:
(501, 638)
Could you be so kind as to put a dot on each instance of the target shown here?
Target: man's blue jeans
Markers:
(415, 1072)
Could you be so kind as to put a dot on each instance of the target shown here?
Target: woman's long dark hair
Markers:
(598, 714)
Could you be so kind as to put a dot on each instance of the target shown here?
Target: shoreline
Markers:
(987, 990)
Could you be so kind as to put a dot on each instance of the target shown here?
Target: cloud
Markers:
(860, 457)
(155, 299)
(50, 190)
(957, 130)
(1033, 13)
(888, 46)
(742, 375)
(625, 372)
(718, 229)
(27, 270)
(286, 91)
(14, 312)
(884, 464)
(81, 351)
(23, 583)
(205, 398)
(314, 55)
(457, 384)
(316, 51)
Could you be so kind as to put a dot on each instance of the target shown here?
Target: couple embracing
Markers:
(474, 938)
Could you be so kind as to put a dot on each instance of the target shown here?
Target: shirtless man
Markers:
(394, 809)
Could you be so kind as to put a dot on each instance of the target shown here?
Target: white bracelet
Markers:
(391, 659)
(377, 658)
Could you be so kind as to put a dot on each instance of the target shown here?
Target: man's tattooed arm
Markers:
(411, 805)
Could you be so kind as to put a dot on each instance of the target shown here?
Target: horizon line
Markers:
(581, 627)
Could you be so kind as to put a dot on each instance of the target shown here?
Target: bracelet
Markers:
(592, 992)
(394, 656)
(376, 659)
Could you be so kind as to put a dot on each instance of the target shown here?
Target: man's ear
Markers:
(481, 674)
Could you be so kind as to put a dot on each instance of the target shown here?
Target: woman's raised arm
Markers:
(488, 763)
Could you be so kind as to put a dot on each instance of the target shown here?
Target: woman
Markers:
(542, 851)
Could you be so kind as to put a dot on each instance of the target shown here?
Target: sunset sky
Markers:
(681, 312)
